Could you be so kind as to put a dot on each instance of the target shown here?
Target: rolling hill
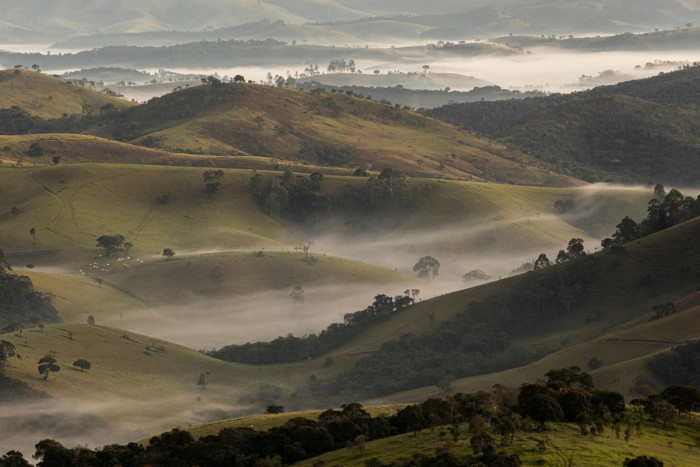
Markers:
(48, 97)
(634, 131)
(612, 315)
(446, 19)
(317, 128)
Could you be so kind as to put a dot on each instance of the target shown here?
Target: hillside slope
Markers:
(48, 97)
(318, 128)
(537, 312)
(631, 132)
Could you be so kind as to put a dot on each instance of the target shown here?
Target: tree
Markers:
(52, 453)
(570, 377)
(627, 230)
(683, 398)
(7, 349)
(91, 320)
(168, 253)
(273, 409)
(393, 180)
(542, 261)
(111, 243)
(82, 363)
(642, 461)
(543, 408)
(304, 245)
(427, 267)
(35, 150)
(297, 294)
(212, 180)
(575, 248)
(202, 381)
(32, 232)
(475, 275)
(13, 459)
(238, 79)
(47, 364)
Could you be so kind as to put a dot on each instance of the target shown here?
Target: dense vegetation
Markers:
(630, 132)
(476, 341)
(20, 304)
(293, 349)
(681, 365)
(568, 396)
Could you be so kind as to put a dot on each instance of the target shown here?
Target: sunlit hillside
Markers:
(49, 97)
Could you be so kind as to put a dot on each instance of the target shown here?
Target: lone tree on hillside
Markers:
(427, 267)
(82, 363)
(47, 365)
(304, 246)
(91, 320)
(168, 253)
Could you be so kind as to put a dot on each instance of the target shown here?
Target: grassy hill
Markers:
(70, 206)
(49, 97)
(318, 128)
(563, 445)
(656, 270)
(610, 323)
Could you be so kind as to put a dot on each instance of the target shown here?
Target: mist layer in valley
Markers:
(489, 248)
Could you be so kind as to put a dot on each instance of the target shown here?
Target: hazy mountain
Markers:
(446, 18)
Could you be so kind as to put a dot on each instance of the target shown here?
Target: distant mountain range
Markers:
(48, 21)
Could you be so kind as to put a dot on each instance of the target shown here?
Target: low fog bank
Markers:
(497, 247)
(23, 424)
(263, 316)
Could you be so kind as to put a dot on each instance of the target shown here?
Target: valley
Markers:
(218, 248)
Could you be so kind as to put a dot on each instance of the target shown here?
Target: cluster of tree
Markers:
(663, 211)
(114, 245)
(680, 365)
(20, 304)
(301, 197)
(212, 180)
(293, 349)
(476, 341)
(339, 65)
(492, 418)
(305, 198)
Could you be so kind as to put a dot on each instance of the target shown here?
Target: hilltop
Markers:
(317, 128)
(45, 96)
